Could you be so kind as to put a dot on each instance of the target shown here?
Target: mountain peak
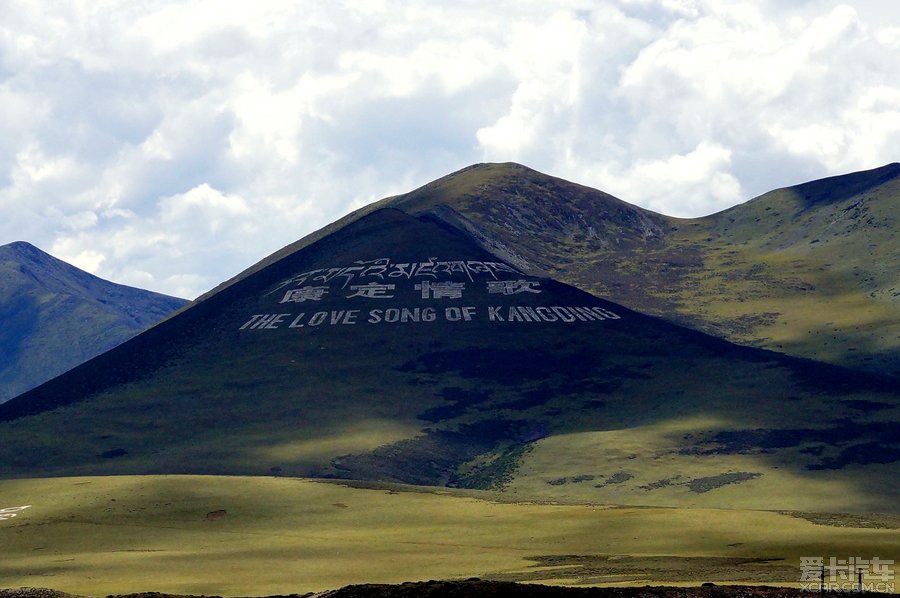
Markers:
(490, 200)
(497, 181)
(495, 200)
(24, 249)
(19, 245)
(54, 274)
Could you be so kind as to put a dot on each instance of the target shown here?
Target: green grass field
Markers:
(256, 536)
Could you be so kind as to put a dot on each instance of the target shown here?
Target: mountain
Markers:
(55, 316)
(808, 270)
(395, 347)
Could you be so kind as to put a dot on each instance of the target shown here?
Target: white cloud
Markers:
(203, 208)
(889, 37)
(80, 220)
(695, 182)
(171, 248)
(170, 144)
(545, 59)
(88, 260)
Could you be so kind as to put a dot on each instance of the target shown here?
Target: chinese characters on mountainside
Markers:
(367, 285)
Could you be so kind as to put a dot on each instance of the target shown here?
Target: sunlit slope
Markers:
(396, 349)
(810, 270)
(237, 536)
(54, 316)
(819, 265)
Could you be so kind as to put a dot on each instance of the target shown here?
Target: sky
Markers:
(170, 145)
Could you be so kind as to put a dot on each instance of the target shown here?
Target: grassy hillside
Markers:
(819, 262)
(615, 407)
(55, 316)
(808, 270)
(255, 536)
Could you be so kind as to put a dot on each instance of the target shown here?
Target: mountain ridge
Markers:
(56, 316)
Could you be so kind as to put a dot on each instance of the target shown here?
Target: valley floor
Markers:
(479, 588)
(240, 536)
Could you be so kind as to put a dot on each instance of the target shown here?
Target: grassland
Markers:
(257, 536)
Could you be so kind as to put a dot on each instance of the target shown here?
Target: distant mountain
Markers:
(54, 316)
(395, 347)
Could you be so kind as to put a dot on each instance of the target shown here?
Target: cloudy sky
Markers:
(168, 145)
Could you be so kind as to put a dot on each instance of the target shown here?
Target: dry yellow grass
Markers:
(104, 535)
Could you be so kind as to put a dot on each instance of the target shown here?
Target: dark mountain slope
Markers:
(55, 316)
(466, 372)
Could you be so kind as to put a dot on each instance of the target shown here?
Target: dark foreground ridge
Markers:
(493, 589)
